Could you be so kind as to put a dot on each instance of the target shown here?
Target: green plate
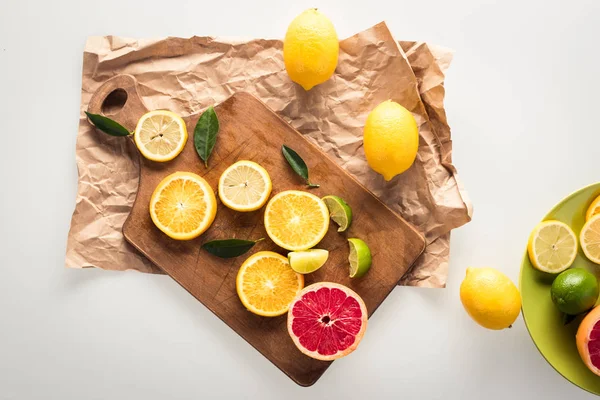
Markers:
(553, 339)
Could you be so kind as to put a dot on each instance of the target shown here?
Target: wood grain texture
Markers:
(251, 131)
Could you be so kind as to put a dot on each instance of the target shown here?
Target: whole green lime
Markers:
(574, 291)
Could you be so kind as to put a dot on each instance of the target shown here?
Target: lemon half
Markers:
(160, 135)
(245, 186)
(552, 247)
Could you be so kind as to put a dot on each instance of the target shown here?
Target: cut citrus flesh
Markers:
(590, 239)
(552, 247)
(183, 206)
(160, 135)
(360, 258)
(593, 209)
(339, 211)
(588, 340)
(307, 261)
(327, 320)
(267, 285)
(245, 186)
(296, 220)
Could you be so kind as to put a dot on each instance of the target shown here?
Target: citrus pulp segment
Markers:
(552, 246)
(327, 321)
(296, 220)
(590, 239)
(183, 206)
(266, 284)
(160, 135)
(244, 186)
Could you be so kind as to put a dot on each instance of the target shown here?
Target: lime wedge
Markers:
(339, 211)
(359, 258)
(307, 261)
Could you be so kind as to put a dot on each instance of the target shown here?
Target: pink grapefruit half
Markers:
(326, 321)
(588, 340)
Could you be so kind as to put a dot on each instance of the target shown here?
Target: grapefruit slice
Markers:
(588, 340)
(326, 321)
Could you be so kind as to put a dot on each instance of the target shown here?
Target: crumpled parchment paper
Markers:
(188, 75)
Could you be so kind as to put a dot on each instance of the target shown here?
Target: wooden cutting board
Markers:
(249, 130)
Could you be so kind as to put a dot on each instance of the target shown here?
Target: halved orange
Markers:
(183, 206)
(296, 220)
(266, 284)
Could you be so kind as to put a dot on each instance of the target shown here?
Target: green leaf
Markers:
(205, 134)
(297, 164)
(107, 125)
(229, 248)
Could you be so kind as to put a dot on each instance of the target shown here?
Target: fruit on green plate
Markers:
(307, 261)
(588, 340)
(391, 139)
(339, 211)
(574, 291)
(545, 323)
(490, 298)
(360, 258)
(593, 209)
(327, 320)
(552, 246)
(590, 239)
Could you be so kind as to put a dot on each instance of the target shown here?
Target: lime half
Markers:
(339, 211)
(305, 262)
(359, 258)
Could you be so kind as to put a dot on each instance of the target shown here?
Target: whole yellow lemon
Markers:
(490, 298)
(310, 49)
(391, 139)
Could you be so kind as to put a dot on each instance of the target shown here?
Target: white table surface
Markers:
(522, 100)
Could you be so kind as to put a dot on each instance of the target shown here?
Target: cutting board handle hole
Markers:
(114, 102)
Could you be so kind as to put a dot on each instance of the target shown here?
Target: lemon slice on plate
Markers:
(590, 239)
(552, 247)
(296, 220)
(245, 186)
(183, 206)
(267, 285)
(160, 135)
